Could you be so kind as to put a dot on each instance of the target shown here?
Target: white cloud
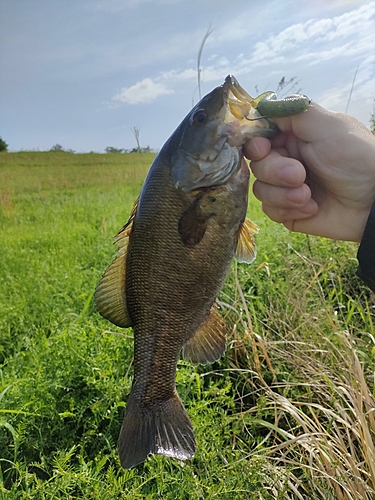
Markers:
(341, 40)
(177, 75)
(210, 73)
(144, 91)
(350, 32)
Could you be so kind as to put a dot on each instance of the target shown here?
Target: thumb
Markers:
(313, 124)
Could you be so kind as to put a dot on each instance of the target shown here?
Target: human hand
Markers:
(318, 175)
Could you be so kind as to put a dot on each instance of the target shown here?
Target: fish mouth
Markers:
(241, 111)
(238, 100)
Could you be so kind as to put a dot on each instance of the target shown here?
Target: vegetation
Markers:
(59, 148)
(3, 145)
(286, 414)
(139, 149)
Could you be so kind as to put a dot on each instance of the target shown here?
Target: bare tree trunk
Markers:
(135, 131)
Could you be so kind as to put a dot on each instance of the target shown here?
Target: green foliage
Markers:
(65, 372)
(3, 145)
(112, 150)
(58, 147)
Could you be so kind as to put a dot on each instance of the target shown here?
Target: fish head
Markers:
(207, 145)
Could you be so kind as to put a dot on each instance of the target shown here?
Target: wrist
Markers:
(366, 252)
(361, 225)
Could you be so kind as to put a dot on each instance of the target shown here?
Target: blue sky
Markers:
(83, 73)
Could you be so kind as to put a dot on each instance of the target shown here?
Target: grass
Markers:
(288, 413)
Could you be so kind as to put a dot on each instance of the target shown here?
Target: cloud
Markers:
(349, 33)
(178, 75)
(344, 39)
(363, 89)
(144, 91)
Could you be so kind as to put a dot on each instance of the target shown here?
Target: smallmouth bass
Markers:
(173, 256)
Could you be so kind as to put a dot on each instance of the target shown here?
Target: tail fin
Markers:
(163, 429)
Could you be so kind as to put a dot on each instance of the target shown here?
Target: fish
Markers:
(173, 256)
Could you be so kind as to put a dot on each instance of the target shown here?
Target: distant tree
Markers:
(146, 149)
(57, 147)
(3, 145)
(372, 119)
(112, 150)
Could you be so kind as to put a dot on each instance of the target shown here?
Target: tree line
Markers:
(147, 149)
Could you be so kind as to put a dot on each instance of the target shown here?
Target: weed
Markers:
(286, 414)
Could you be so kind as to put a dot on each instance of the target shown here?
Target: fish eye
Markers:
(199, 117)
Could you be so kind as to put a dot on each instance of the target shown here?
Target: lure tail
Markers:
(163, 428)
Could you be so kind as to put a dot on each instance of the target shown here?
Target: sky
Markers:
(84, 73)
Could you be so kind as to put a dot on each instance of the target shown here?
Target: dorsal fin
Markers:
(209, 340)
(126, 229)
(246, 251)
(109, 297)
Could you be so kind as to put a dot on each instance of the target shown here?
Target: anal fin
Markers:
(246, 251)
(209, 340)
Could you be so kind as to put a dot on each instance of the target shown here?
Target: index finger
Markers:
(257, 148)
(278, 170)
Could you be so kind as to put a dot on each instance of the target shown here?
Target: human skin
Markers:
(318, 175)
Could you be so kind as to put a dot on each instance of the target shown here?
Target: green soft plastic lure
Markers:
(269, 106)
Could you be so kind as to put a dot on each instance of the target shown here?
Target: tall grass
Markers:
(287, 413)
(314, 384)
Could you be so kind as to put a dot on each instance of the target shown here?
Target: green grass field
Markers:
(288, 413)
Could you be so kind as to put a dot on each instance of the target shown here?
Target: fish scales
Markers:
(183, 283)
(174, 255)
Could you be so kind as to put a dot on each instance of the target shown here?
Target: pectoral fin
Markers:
(208, 342)
(109, 297)
(246, 251)
(192, 225)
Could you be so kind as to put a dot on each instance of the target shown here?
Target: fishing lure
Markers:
(269, 106)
